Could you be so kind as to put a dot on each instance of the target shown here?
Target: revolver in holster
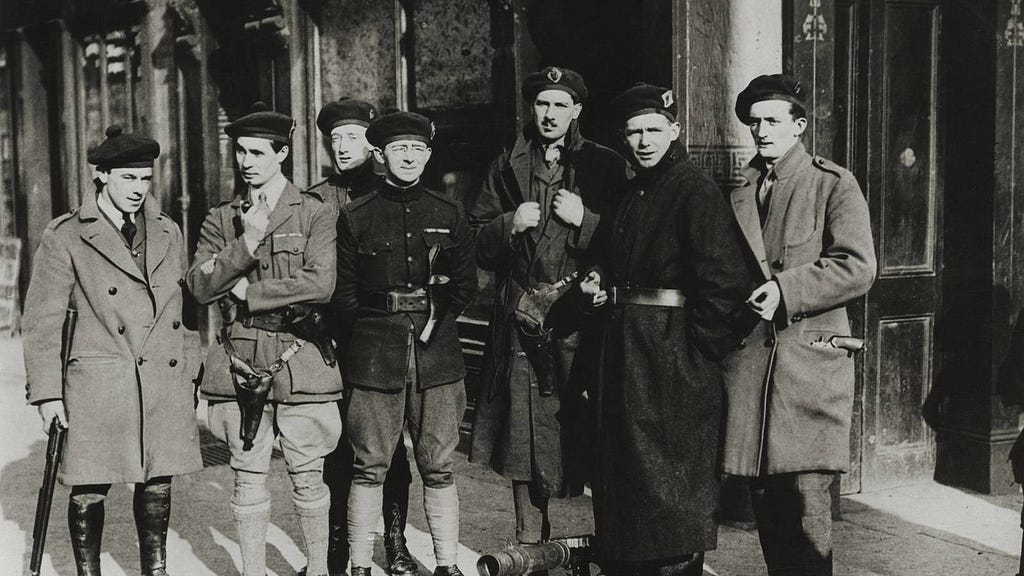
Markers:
(537, 340)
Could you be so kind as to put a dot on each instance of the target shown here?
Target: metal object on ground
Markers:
(574, 553)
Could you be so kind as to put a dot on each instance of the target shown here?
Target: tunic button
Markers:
(408, 284)
(173, 363)
(181, 281)
(640, 193)
(120, 329)
(408, 210)
(112, 290)
(408, 234)
(409, 258)
(141, 361)
(265, 266)
(175, 325)
(777, 264)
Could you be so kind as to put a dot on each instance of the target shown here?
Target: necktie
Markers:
(552, 154)
(261, 202)
(764, 195)
(128, 228)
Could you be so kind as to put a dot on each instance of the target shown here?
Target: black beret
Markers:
(768, 87)
(399, 126)
(645, 99)
(262, 123)
(345, 111)
(122, 150)
(554, 78)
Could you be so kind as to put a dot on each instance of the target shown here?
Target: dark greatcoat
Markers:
(816, 243)
(129, 392)
(294, 264)
(523, 435)
(659, 395)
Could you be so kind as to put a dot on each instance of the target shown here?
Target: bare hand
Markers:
(50, 410)
(527, 216)
(591, 286)
(568, 207)
(254, 226)
(765, 299)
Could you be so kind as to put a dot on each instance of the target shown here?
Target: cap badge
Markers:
(371, 113)
(432, 131)
(667, 98)
(555, 75)
(291, 130)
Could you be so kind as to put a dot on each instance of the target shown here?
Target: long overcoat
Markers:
(129, 390)
(296, 263)
(790, 394)
(521, 434)
(659, 400)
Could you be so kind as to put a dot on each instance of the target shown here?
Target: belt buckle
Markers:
(391, 304)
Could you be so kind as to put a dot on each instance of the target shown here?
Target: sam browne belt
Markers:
(622, 295)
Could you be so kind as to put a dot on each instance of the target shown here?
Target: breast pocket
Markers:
(373, 261)
(288, 253)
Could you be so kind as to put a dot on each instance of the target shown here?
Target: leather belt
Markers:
(622, 295)
(395, 302)
(273, 321)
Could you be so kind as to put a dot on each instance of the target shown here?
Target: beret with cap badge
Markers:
(344, 111)
(645, 98)
(399, 126)
(121, 150)
(262, 123)
(768, 87)
(555, 78)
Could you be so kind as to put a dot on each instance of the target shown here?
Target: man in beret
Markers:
(536, 214)
(808, 244)
(266, 255)
(344, 124)
(668, 287)
(127, 401)
(405, 272)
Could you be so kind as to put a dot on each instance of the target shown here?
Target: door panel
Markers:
(905, 195)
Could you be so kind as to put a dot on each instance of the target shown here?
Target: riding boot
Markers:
(85, 522)
(152, 508)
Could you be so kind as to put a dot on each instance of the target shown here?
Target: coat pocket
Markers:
(288, 253)
(373, 261)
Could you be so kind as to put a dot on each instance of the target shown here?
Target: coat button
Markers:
(120, 329)
(777, 264)
(409, 258)
(181, 281)
(798, 317)
(408, 210)
(142, 361)
(112, 290)
(175, 325)
(265, 266)
(408, 234)
(173, 363)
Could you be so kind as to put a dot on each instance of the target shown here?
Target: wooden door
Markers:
(901, 166)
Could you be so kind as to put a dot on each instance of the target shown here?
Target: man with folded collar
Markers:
(405, 272)
(670, 285)
(344, 123)
(127, 402)
(263, 254)
(808, 243)
(536, 214)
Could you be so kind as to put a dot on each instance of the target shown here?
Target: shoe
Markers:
(399, 559)
(303, 573)
(452, 570)
(360, 571)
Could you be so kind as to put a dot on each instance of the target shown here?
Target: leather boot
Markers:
(399, 559)
(152, 508)
(85, 522)
(452, 570)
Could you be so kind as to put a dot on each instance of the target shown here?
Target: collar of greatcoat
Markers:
(744, 204)
(108, 241)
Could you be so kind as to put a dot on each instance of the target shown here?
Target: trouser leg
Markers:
(532, 522)
(151, 506)
(794, 520)
(85, 522)
(309, 432)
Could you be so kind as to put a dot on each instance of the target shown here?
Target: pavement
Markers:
(912, 530)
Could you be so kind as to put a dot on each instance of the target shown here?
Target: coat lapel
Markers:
(286, 206)
(99, 234)
(745, 209)
(158, 236)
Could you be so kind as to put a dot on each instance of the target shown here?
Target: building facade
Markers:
(918, 97)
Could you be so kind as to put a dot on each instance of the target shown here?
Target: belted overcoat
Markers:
(129, 390)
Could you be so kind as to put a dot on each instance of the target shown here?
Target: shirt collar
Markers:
(272, 189)
(115, 216)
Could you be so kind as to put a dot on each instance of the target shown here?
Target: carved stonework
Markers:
(814, 27)
(722, 162)
(1014, 32)
(454, 54)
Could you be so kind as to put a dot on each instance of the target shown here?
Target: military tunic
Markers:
(129, 391)
(340, 189)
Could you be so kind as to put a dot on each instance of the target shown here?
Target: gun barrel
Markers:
(524, 559)
(54, 448)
